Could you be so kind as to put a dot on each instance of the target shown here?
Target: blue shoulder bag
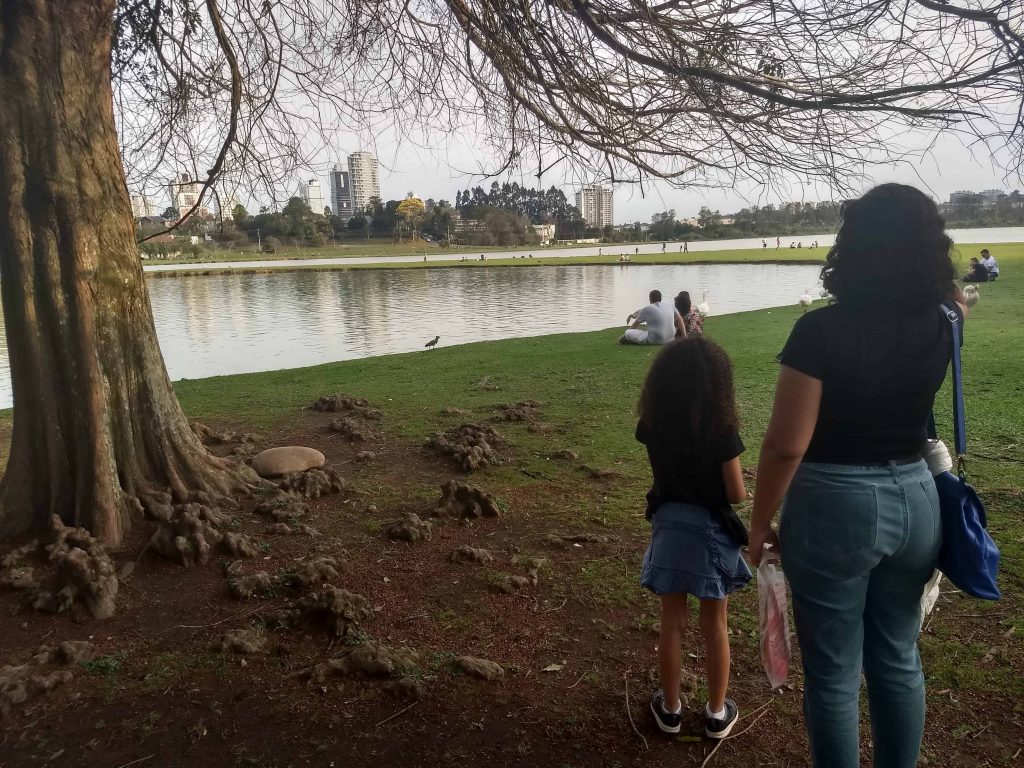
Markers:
(968, 556)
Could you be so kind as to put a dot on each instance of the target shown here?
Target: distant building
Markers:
(341, 192)
(142, 207)
(991, 196)
(546, 232)
(594, 202)
(960, 198)
(364, 179)
(310, 193)
(184, 192)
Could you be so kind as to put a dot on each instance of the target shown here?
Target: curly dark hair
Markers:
(892, 247)
(689, 392)
(683, 304)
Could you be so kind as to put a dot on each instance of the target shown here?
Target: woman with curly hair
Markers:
(688, 424)
(860, 528)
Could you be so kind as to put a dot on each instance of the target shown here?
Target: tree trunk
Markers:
(97, 427)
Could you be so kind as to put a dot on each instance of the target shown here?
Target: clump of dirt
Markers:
(356, 430)
(568, 539)
(462, 500)
(195, 530)
(346, 404)
(507, 584)
(453, 411)
(284, 529)
(487, 385)
(600, 473)
(341, 612)
(313, 483)
(20, 683)
(318, 571)
(245, 642)
(540, 428)
(471, 446)
(370, 659)
(480, 668)
(76, 568)
(16, 572)
(282, 506)
(408, 528)
(525, 410)
(245, 586)
(244, 442)
(365, 456)
(467, 554)
(565, 453)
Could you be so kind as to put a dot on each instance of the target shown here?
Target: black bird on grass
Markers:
(432, 343)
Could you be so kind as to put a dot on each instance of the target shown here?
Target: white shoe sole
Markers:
(722, 733)
(664, 728)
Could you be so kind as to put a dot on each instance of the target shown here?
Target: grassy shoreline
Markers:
(737, 256)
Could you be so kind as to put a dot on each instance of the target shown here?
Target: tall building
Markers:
(362, 169)
(184, 191)
(142, 206)
(311, 194)
(595, 205)
(341, 192)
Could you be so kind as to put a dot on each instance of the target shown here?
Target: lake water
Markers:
(990, 235)
(238, 323)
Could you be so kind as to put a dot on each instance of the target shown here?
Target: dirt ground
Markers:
(576, 647)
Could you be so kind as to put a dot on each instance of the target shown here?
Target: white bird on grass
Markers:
(971, 295)
(703, 307)
(806, 300)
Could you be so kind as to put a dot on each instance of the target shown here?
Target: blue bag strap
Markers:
(959, 424)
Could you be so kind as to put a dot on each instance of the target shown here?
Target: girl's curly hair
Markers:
(689, 392)
(892, 248)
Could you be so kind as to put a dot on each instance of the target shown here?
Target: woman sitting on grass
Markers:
(688, 423)
(860, 527)
(688, 319)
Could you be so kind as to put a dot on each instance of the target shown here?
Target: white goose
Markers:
(971, 295)
(806, 300)
(703, 307)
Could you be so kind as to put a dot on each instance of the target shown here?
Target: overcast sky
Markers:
(455, 163)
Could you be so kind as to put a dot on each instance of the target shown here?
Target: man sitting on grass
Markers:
(659, 320)
(990, 264)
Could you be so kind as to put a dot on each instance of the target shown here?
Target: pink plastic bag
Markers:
(771, 596)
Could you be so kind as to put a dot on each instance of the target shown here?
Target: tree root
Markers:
(409, 528)
(313, 483)
(193, 532)
(461, 500)
(471, 446)
(341, 612)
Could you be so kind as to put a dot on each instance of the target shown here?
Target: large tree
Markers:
(233, 92)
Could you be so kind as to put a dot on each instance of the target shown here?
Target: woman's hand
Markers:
(759, 537)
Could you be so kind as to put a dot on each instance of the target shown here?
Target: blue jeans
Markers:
(858, 545)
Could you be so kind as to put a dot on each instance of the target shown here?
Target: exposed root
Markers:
(192, 534)
(282, 506)
(568, 539)
(341, 612)
(356, 430)
(461, 500)
(21, 683)
(526, 410)
(316, 572)
(312, 574)
(243, 444)
(16, 572)
(409, 528)
(365, 456)
(245, 586)
(313, 483)
(283, 529)
(565, 453)
(480, 668)
(346, 404)
(471, 446)
(245, 642)
(507, 584)
(540, 428)
(467, 554)
(82, 571)
(369, 659)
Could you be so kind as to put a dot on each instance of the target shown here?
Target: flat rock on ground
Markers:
(285, 460)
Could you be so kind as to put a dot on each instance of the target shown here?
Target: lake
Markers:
(238, 323)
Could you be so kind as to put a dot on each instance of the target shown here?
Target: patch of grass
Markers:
(164, 669)
(613, 581)
(105, 666)
(372, 527)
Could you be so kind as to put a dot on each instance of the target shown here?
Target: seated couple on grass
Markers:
(663, 323)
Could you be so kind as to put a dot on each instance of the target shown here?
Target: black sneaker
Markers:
(667, 721)
(719, 728)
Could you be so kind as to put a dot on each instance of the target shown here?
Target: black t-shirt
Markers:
(689, 474)
(880, 370)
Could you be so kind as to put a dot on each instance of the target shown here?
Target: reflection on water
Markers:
(237, 323)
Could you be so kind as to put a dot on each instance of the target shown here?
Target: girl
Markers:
(688, 424)
(689, 322)
(860, 522)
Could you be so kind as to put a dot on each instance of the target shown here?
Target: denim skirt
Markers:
(689, 553)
